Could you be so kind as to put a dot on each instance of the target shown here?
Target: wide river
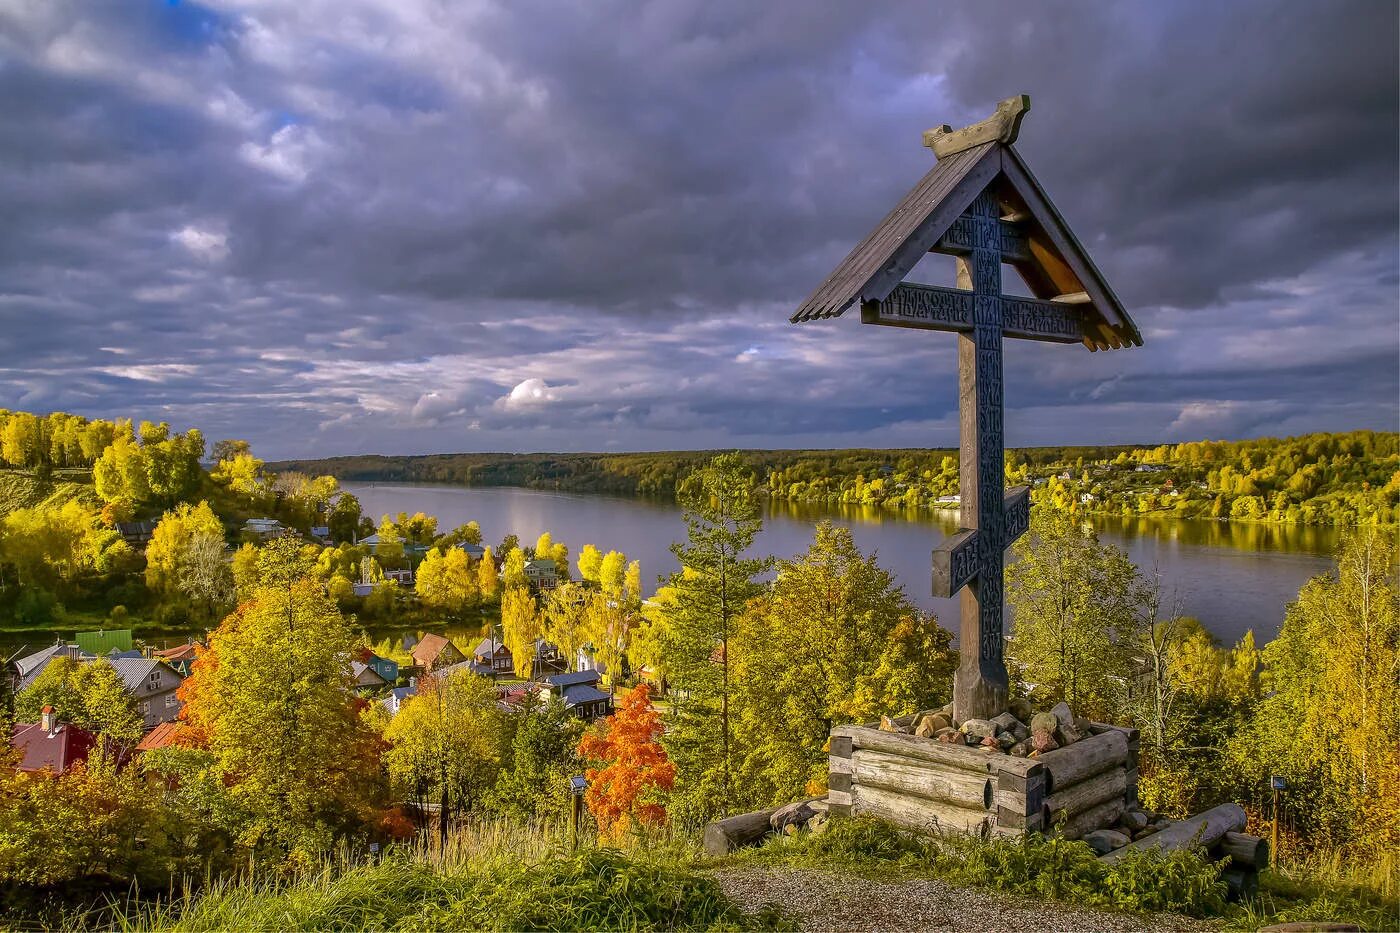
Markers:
(1232, 576)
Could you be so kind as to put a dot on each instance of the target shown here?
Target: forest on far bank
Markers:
(1313, 479)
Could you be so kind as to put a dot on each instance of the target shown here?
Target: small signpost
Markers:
(578, 784)
(981, 205)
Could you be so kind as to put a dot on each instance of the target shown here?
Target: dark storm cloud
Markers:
(408, 226)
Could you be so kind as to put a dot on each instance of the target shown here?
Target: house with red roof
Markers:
(50, 745)
(436, 651)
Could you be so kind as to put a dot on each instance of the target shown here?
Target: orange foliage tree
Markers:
(634, 767)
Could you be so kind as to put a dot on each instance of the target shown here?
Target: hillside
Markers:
(20, 489)
(1314, 479)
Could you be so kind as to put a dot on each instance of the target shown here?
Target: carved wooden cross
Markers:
(981, 205)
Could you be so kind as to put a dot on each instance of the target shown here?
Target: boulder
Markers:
(889, 725)
(990, 742)
(1043, 742)
(1005, 740)
(1020, 749)
(1044, 722)
(1063, 713)
(1021, 708)
(818, 823)
(1134, 821)
(979, 728)
(793, 814)
(951, 737)
(940, 720)
(1068, 734)
(1104, 841)
(926, 729)
(1006, 722)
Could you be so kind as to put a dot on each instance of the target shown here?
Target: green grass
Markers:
(1068, 871)
(597, 889)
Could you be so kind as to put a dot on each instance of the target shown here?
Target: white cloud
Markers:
(208, 245)
(289, 154)
(531, 392)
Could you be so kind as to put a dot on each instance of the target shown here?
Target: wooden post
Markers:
(980, 688)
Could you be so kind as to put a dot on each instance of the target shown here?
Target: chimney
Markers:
(47, 720)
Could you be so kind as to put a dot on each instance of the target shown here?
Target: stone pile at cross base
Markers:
(1023, 733)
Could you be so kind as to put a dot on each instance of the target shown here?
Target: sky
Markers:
(409, 226)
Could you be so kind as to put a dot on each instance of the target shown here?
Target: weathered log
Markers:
(724, 836)
(913, 746)
(1097, 817)
(926, 779)
(1252, 851)
(1083, 759)
(918, 813)
(1242, 883)
(1203, 829)
(1087, 794)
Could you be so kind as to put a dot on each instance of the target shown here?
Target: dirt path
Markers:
(833, 901)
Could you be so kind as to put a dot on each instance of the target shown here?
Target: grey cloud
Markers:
(362, 225)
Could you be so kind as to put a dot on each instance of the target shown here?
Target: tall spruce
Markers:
(710, 591)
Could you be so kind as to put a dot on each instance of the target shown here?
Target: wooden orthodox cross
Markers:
(981, 205)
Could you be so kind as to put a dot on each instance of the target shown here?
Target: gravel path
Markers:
(831, 901)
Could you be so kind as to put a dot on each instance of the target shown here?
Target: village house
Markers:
(137, 534)
(473, 551)
(152, 683)
(384, 667)
(180, 658)
(162, 736)
(366, 678)
(542, 574)
(31, 666)
(579, 692)
(492, 658)
(264, 527)
(398, 696)
(435, 652)
(49, 744)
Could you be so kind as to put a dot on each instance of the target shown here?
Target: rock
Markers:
(951, 737)
(1044, 742)
(1134, 821)
(1021, 708)
(979, 728)
(1144, 833)
(1160, 825)
(791, 829)
(1068, 734)
(925, 729)
(1005, 740)
(941, 721)
(793, 814)
(947, 711)
(990, 742)
(1063, 713)
(1006, 722)
(1104, 841)
(818, 823)
(889, 725)
(1044, 722)
(1085, 727)
(1020, 750)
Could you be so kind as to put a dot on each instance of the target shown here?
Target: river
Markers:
(1232, 576)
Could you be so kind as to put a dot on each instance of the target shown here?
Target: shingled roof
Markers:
(1053, 263)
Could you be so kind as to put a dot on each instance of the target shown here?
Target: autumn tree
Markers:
(186, 557)
(446, 582)
(91, 695)
(513, 575)
(390, 550)
(521, 627)
(629, 768)
(543, 758)
(1330, 717)
(488, 582)
(834, 640)
(272, 697)
(565, 609)
(1072, 597)
(715, 583)
(446, 744)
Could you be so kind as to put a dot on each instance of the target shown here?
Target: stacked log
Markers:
(1219, 832)
(1086, 784)
(930, 786)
